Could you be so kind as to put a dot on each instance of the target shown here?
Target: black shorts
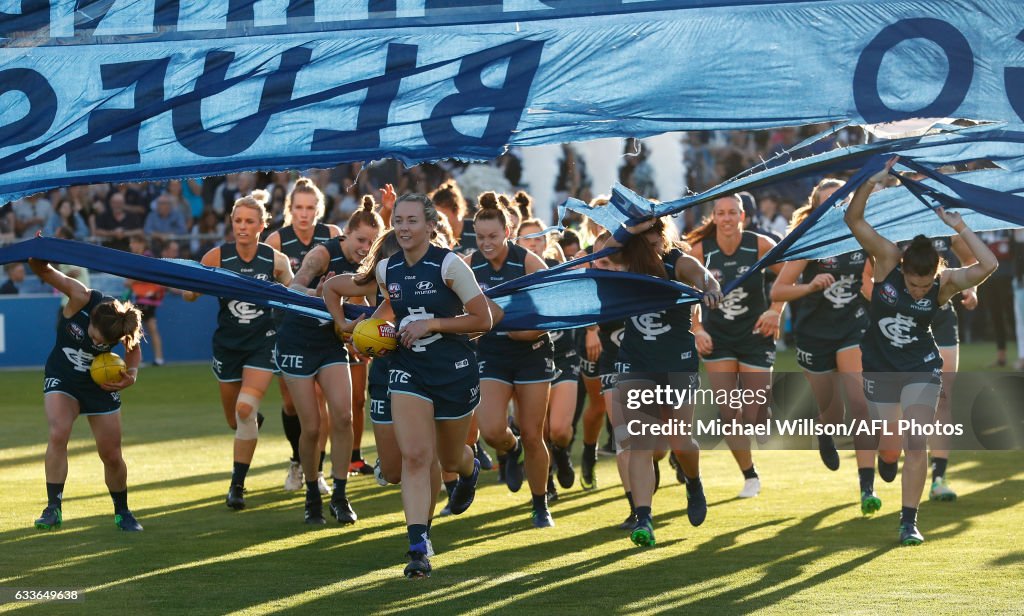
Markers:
(567, 368)
(148, 311)
(453, 400)
(535, 366)
(819, 356)
(229, 363)
(754, 350)
(944, 328)
(92, 400)
(299, 359)
(891, 387)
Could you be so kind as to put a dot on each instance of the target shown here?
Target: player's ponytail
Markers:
(449, 198)
(256, 200)
(921, 259)
(491, 208)
(118, 321)
(524, 203)
(364, 216)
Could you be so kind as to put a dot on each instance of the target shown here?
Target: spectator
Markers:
(175, 191)
(66, 216)
(192, 193)
(996, 295)
(207, 233)
(116, 226)
(166, 221)
(30, 214)
(7, 223)
(15, 276)
(771, 220)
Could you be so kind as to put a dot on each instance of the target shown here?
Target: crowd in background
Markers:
(185, 218)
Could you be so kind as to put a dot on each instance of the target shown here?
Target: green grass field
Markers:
(800, 547)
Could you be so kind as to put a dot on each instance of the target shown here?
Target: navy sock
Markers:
(312, 490)
(339, 488)
(120, 500)
(867, 479)
(449, 486)
(356, 455)
(239, 473)
(750, 473)
(694, 485)
(323, 455)
(417, 537)
(629, 497)
(54, 493)
(908, 515)
(643, 513)
(292, 430)
(540, 502)
(939, 467)
(590, 451)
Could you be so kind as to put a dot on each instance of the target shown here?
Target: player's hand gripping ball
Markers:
(106, 369)
(342, 335)
(375, 337)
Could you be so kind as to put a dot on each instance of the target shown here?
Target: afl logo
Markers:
(424, 285)
(889, 294)
(75, 330)
(244, 311)
(829, 263)
(394, 290)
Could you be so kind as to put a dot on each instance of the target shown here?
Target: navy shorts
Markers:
(819, 356)
(607, 371)
(296, 357)
(453, 400)
(754, 350)
(229, 363)
(567, 368)
(92, 400)
(889, 387)
(380, 404)
(535, 366)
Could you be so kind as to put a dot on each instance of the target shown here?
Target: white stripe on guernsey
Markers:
(229, 259)
(290, 242)
(712, 253)
(432, 263)
(748, 249)
(397, 264)
(484, 264)
(264, 259)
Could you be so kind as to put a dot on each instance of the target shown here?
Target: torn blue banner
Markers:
(156, 89)
(995, 143)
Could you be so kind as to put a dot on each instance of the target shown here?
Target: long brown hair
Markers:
(813, 201)
(708, 227)
(117, 320)
(382, 248)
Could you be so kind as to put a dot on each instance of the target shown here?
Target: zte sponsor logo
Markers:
(399, 376)
(462, 363)
(50, 383)
(289, 361)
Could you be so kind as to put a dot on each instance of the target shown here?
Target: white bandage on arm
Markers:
(461, 276)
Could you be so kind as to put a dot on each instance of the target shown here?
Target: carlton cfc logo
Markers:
(889, 294)
(244, 311)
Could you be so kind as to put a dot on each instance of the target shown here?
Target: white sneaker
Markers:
(430, 549)
(378, 476)
(293, 482)
(751, 488)
(322, 484)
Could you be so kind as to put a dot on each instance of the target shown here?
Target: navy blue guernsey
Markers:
(294, 249)
(467, 239)
(241, 325)
(418, 291)
(563, 339)
(735, 317)
(610, 334)
(495, 343)
(899, 338)
(831, 314)
(74, 349)
(660, 341)
(292, 323)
